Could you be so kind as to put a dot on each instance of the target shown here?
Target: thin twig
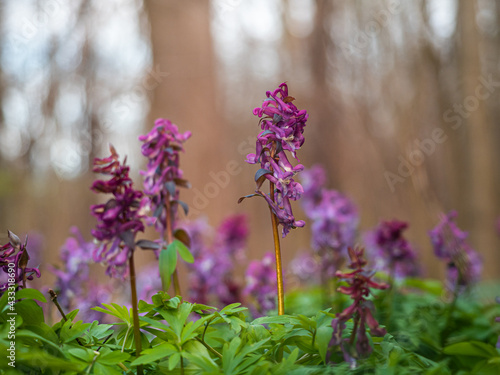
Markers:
(53, 298)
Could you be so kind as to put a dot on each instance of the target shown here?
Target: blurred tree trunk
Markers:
(480, 167)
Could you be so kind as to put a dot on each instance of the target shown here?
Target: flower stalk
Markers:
(277, 253)
(135, 312)
(282, 127)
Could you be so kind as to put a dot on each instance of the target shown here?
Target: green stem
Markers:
(170, 238)
(135, 313)
(209, 347)
(53, 297)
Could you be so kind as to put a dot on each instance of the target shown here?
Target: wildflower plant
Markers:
(391, 251)
(282, 125)
(361, 310)
(118, 222)
(463, 263)
(162, 179)
(14, 259)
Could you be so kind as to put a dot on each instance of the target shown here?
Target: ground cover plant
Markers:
(358, 303)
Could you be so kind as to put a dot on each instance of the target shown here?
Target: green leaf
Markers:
(182, 250)
(153, 354)
(167, 262)
(29, 310)
(280, 319)
(31, 294)
(471, 348)
(173, 361)
(113, 358)
(323, 337)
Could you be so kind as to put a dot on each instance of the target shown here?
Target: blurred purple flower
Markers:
(282, 130)
(232, 236)
(464, 265)
(334, 220)
(119, 219)
(306, 267)
(162, 146)
(211, 276)
(14, 260)
(361, 310)
(74, 286)
(261, 284)
(148, 282)
(390, 251)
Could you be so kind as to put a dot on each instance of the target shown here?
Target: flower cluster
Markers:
(261, 284)
(391, 251)
(74, 286)
(162, 146)
(335, 219)
(119, 219)
(211, 277)
(282, 130)
(361, 310)
(14, 260)
(464, 265)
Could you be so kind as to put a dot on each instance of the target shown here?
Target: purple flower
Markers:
(390, 251)
(14, 260)
(282, 130)
(149, 282)
(74, 286)
(211, 276)
(261, 284)
(119, 219)
(232, 236)
(334, 220)
(361, 310)
(281, 120)
(464, 265)
(162, 146)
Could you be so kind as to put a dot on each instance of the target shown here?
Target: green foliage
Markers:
(426, 336)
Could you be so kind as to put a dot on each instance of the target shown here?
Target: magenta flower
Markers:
(390, 251)
(464, 265)
(14, 260)
(119, 219)
(261, 285)
(282, 130)
(281, 120)
(361, 310)
(162, 146)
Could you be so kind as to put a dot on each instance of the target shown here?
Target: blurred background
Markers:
(402, 99)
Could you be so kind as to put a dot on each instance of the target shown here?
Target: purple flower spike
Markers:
(14, 260)
(361, 310)
(119, 219)
(282, 130)
(162, 146)
(390, 251)
(261, 284)
(464, 265)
